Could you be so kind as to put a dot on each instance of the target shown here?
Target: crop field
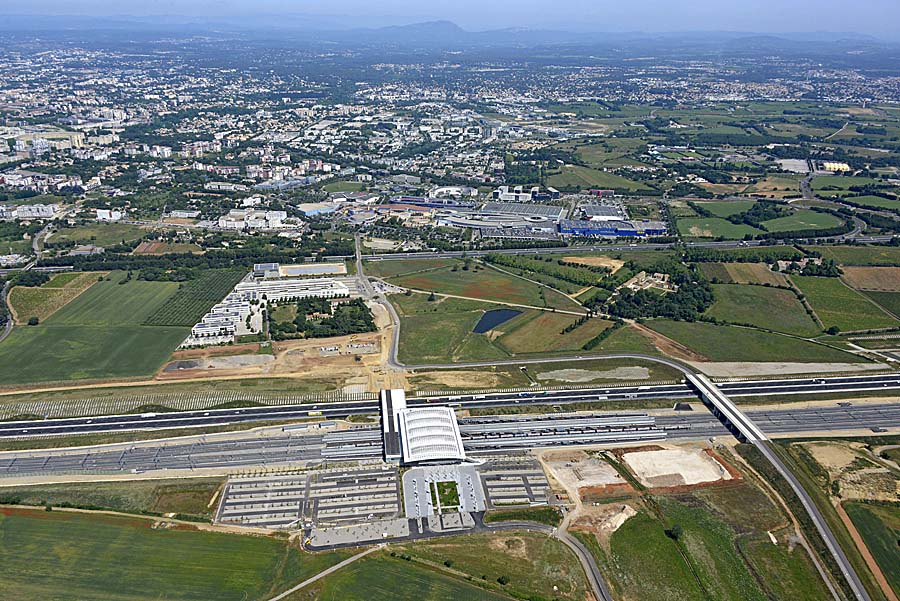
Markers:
(714, 227)
(726, 208)
(162, 248)
(730, 343)
(585, 177)
(393, 268)
(769, 308)
(777, 186)
(879, 527)
(194, 298)
(542, 330)
(883, 279)
(802, 220)
(44, 301)
(743, 273)
(99, 234)
(839, 182)
(838, 305)
(63, 555)
(888, 256)
(188, 496)
(889, 301)
(382, 578)
(98, 335)
(535, 564)
(486, 284)
(874, 202)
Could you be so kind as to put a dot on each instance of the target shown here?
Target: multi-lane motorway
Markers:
(221, 417)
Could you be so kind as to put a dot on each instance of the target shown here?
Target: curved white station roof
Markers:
(430, 434)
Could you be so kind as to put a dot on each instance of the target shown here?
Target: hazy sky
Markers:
(880, 17)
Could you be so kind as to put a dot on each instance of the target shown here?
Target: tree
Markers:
(504, 580)
(675, 532)
(833, 331)
(33, 321)
(432, 297)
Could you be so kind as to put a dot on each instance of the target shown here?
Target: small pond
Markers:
(492, 319)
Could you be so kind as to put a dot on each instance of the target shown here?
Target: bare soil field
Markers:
(586, 375)
(613, 264)
(725, 369)
(754, 273)
(676, 467)
(858, 473)
(886, 279)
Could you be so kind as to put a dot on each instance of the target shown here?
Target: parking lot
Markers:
(419, 501)
(513, 481)
(318, 500)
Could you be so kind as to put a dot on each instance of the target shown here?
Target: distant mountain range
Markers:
(431, 34)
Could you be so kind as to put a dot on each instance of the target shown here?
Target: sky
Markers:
(876, 17)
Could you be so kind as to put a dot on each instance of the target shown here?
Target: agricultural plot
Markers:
(194, 298)
(727, 208)
(98, 335)
(44, 301)
(383, 578)
(874, 202)
(389, 269)
(879, 526)
(731, 343)
(861, 255)
(99, 234)
(802, 220)
(535, 565)
(576, 176)
(836, 304)
(485, 284)
(768, 308)
(883, 279)
(714, 227)
(543, 330)
(777, 186)
(62, 555)
(889, 301)
(163, 248)
(835, 185)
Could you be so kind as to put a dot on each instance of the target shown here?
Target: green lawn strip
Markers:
(64, 555)
(879, 527)
(383, 578)
(448, 494)
(837, 304)
(541, 515)
(769, 308)
(185, 497)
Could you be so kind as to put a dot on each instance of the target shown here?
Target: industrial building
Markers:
(613, 229)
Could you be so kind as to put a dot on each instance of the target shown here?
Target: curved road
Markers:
(849, 573)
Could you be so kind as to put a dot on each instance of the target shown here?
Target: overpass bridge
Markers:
(725, 409)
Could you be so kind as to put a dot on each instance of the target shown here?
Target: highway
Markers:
(339, 409)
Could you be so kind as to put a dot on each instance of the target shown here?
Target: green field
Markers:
(889, 301)
(714, 227)
(344, 187)
(576, 176)
(61, 555)
(727, 208)
(99, 234)
(44, 301)
(484, 283)
(382, 578)
(194, 298)
(731, 343)
(879, 526)
(392, 268)
(838, 305)
(828, 184)
(875, 202)
(535, 564)
(769, 308)
(186, 497)
(802, 220)
(861, 255)
(98, 335)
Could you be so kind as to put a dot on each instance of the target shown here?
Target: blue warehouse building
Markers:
(613, 229)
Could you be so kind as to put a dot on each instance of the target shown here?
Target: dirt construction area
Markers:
(859, 474)
(613, 265)
(586, 375)
(576, 470)
(672, 467)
